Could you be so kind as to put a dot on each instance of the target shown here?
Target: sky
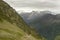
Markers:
(37, 5)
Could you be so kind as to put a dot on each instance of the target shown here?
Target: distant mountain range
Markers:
(45, 23)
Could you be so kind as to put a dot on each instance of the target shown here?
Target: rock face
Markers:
(12, 26)
(45, 23)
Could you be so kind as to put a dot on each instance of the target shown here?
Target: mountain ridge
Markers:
(12, 26)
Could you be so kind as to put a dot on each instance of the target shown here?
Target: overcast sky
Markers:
(28, 5)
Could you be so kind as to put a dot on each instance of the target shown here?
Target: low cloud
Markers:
(39, 4)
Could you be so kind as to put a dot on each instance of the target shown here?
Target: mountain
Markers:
(45, 23)
(33, 15)
(13, 27)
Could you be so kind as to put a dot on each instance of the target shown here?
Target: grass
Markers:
(57, 37)
(9, 31)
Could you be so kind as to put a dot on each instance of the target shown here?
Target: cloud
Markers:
(34, 3)
(38, 4)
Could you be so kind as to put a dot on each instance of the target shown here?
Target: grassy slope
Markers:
(58, 37)
(12, 27)
(10, 31)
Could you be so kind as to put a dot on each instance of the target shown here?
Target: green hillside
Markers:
(13, 27)
(10, 31)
